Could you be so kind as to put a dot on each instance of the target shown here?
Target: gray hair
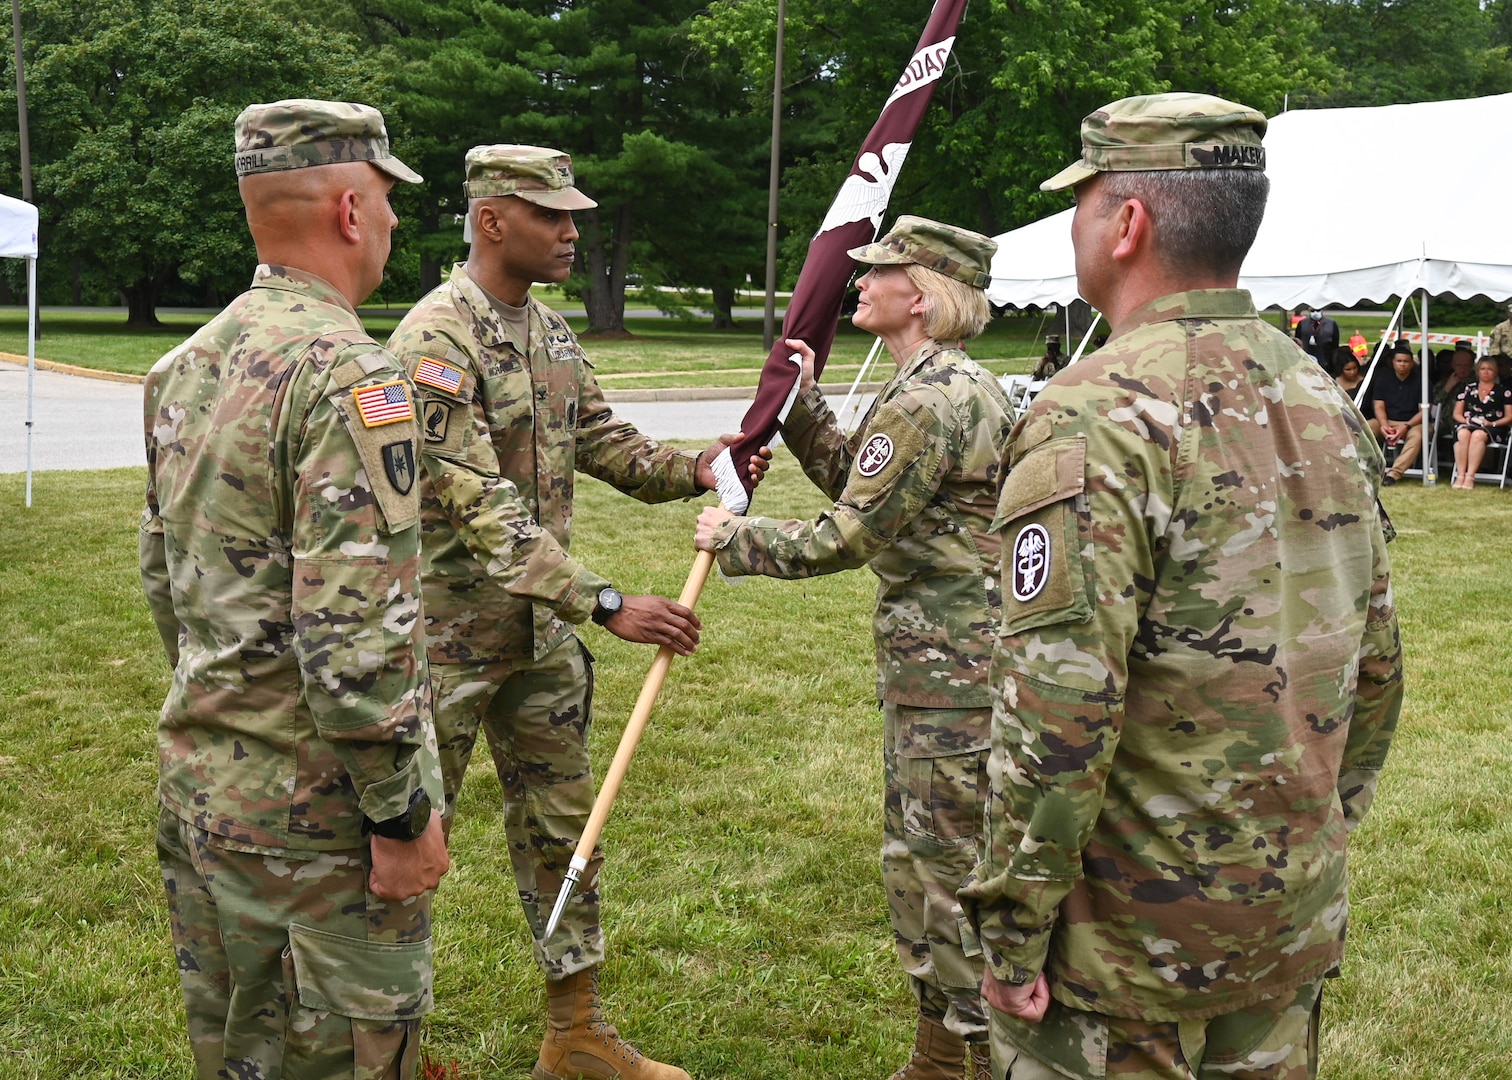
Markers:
(1205, 219)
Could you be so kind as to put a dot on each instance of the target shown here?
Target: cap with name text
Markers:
(301, 132)
(1159, 132)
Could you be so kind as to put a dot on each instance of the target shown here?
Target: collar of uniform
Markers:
(920, 356)
(290, 279)
(491, 333)
(1194, 304)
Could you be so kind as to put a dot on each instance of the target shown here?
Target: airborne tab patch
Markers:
(440, 375)
(385, 403)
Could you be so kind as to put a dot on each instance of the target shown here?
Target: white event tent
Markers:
(1357, 211)
(18, 240)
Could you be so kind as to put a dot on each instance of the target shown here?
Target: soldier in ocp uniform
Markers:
(1052, 361)
(1501, 337)
(280, 555)
(1199, 671)
(511, 411)
(914, 491)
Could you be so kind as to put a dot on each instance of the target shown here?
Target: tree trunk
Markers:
(75, 285)
(724, 302)
(604, 294)
(1081, 318)
(430, 274)
(141, 304)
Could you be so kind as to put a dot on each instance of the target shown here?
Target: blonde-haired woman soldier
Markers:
(914, 493)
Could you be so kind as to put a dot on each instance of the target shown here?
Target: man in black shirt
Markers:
(1398, 419)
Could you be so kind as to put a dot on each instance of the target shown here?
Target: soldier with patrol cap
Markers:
(914, 492)
(281, 558)
(1199, 671)
(1052, 361)
(511, 410)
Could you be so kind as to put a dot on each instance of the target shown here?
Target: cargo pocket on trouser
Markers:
(357, 1000)
(941, 815)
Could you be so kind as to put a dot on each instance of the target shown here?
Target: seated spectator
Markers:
(1483, 413)
(1342, 355)
(1350, 376)
(1461, 374)
(1398, 419)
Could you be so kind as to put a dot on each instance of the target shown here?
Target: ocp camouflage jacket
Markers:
(914, 492)
(504, 430)
(280, 552)
(1199, 671)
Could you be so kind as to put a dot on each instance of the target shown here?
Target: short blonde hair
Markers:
(953, 310)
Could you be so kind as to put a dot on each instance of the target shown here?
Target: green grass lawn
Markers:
(659, 353)
(743, 906)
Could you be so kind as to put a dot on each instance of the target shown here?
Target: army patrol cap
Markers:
(958, 253)
(1159, 132)
(301, 132)
(536, 174)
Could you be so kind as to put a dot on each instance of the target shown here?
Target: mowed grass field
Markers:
(658, 353)
(743, 907)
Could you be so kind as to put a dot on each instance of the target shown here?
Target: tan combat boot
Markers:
(938, 1054)
(981, 1061)
(581, 1045)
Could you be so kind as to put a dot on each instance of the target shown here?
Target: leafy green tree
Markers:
(131, 108)
(615, 83)
(1387, 51)
(1023, 74)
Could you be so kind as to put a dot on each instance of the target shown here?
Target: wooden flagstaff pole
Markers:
(626, 750)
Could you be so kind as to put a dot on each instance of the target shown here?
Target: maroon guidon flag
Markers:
(854, 219)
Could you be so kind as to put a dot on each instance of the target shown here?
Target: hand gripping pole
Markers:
(626, 750)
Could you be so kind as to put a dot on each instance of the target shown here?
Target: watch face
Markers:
(610, 600)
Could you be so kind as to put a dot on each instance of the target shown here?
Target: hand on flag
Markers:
(756, 468)
(806, 379)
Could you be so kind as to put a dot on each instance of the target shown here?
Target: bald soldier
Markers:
(1198, 672)
(280, 554)
(511, 412)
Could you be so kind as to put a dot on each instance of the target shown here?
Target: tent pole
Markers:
(1427, 393)
(1096, 318)
(31, 364)
(856, 383)
(1396, 320)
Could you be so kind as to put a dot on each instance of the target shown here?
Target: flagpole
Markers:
(769, 318)
(639, 716)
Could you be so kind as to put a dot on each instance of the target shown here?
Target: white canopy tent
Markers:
(1355, 213)
(18, 240)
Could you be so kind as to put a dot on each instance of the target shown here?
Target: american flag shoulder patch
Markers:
(441, 375)
(383, 404)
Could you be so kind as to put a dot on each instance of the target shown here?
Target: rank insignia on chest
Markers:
(440, 375)
(399, 463)
(383, 404)
(1031, 562)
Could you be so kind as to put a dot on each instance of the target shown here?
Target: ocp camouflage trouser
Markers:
(935, 765)
(536, 718)
(1275, 1040)
(291, 969)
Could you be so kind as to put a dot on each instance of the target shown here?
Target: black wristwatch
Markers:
(410, 825)
(609, 603)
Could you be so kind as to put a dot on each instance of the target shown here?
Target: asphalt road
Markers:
(84, 423)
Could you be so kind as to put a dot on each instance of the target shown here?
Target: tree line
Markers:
(665, 107)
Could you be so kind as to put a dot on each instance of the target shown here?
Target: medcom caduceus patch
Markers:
(875, 455)
(1031, 562)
